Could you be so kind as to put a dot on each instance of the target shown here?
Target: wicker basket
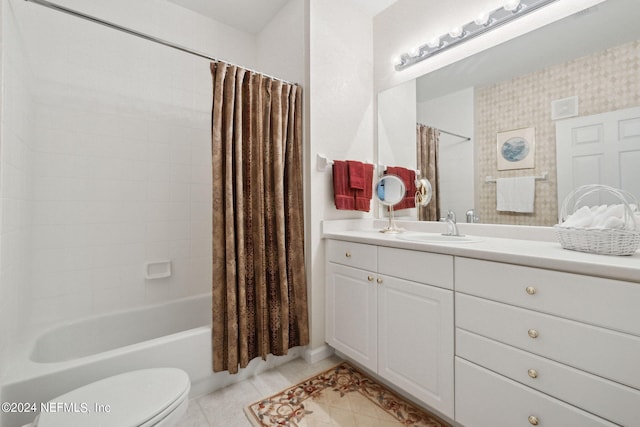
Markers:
(619, 241)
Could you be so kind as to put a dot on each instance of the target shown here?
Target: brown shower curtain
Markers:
(259, 284)
(427, 141)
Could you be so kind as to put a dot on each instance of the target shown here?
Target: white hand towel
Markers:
(516, 194)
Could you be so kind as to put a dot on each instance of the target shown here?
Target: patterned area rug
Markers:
(339, 397)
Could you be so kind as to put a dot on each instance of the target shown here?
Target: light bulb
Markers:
(482, 19)
(434, 42)
(456, 32)
(512, 5)
(398, 60)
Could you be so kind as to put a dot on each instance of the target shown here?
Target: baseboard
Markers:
(313, 355)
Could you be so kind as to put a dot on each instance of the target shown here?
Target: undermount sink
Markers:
(437, 238)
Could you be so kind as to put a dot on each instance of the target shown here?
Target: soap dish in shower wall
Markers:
(157, 270)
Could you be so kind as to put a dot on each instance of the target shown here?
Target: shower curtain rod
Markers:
(466, 138)
(126, 30)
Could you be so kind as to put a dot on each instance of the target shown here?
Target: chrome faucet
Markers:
(472, 216)
(452, 227)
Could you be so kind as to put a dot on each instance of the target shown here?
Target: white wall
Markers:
(397, 126)
(281, 44)
(453, 113)
(341, 120)
(3, 333)
(16, 185)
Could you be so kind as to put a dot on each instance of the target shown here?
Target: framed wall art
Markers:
(516, 149)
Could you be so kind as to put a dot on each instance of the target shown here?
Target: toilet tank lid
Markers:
(128, 399)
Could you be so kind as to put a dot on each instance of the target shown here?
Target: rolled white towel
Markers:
(602, 215)
(613, 222)
(580, 218)
(616, 210)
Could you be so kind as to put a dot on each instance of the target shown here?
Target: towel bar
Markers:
(542, 177)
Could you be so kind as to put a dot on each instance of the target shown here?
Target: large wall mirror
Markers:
(531, 84)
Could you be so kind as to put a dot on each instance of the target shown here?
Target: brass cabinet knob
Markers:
(533, 333)
(533, 420)
(370, 278)
(532, 373)
(348, 254)
(530, 290)
(379, 280)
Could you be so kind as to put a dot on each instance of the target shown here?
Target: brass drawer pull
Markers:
(370, 278)
(532, 373)
(530, 290)
(348, 254)
(533, 333)
(379, 280)
(533, 420)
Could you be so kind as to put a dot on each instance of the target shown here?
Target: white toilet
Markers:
(148, 397)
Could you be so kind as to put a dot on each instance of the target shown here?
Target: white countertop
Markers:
(522, 250)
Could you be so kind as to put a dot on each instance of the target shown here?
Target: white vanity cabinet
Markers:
(352, 301)
(391, 310)
(545, 347)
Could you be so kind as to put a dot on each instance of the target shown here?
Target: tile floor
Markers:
(225, 407)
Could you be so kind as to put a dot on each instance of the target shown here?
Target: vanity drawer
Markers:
(601, 397)
(356, 255)
(603, 302)
(486, 399)
(417, 266)
(607, 353)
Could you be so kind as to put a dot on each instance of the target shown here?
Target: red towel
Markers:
(343, 195)
(408, 176)
(356, 174)
(363, 197)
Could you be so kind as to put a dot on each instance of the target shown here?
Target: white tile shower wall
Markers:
(114, 190)
(122, 156)
(16, 185)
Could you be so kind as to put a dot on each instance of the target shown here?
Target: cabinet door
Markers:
(351, 313)
(416, 340)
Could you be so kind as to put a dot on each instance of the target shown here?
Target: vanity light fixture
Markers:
(511, 10)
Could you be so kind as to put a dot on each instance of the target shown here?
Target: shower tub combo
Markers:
(176, 334)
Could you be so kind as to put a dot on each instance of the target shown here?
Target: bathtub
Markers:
(67, 356)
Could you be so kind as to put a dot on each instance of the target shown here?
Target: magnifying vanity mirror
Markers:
(424, 192)
(390, 190)
(554, 78)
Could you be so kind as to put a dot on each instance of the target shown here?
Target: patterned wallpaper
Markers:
(604, 81)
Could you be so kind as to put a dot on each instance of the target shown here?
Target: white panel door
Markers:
(352, 313)
(415, 342)
(599, 149)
